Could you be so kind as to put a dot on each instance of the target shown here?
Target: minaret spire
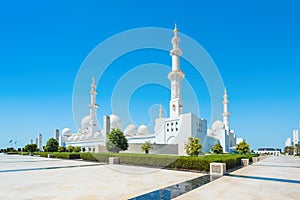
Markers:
(93, 107)
(175, 77)
(226, 113)
(161, 114)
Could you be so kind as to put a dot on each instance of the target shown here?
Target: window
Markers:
(167, 130)
(167, 124)
(176, 129)
(176, 123)
(172, 129)
(172, 123)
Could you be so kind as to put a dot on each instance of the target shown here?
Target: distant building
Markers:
(272, 151)
(40, 146)
(56, 134)
(295, 137)
(288, 142)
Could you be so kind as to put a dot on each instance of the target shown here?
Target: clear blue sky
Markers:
(255, 45)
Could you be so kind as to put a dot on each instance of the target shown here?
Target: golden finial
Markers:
(93, 79)
(225, 91)
(175, 28)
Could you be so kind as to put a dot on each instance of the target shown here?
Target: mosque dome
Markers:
(82, 137)
(217, 125)
(76, 138)
(85, 122)
(66, 132)
(131, 129)
(97, 135)
(70, 138)
(143, 130)
(115, 122)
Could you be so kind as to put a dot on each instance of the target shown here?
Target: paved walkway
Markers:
(273, 178)
(25, 177)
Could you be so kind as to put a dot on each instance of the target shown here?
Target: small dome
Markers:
(89, 136)
(82, 137)
(143, 130)
(131, 129)
(85, 122)
(66, 132)
(70, 139)
(217, 125)
(115, 122)
(76, 138)
(97, 135)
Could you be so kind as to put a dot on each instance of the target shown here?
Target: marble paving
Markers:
(26, 177)
(276, 178)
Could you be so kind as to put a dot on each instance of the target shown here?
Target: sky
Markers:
(254, 45)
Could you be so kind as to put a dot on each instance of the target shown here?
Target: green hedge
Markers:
(12, 153)
(165, 161)
(63, 155)
(200, 163)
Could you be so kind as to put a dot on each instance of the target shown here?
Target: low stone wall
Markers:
(255, 159)
(244, 162)
(114, 160)
(217, 168)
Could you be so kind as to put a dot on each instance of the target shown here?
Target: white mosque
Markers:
(170, 134)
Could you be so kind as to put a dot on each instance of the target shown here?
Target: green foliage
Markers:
(217, 148)
(62, 155)
(146, 147)
(116, 141)
(10, 149)
(200, 163)
(30, 148)
(289, 150)
(243, 147)
(70, 148)
(83, 149)
(77, 149)
(61, 149)
(51, 145)
(193, 146)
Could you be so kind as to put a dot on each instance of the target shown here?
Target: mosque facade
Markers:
(172, 130)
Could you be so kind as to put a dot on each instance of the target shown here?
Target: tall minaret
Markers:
(225, 113)
(175, 77)
(160, 114)
(93, 108)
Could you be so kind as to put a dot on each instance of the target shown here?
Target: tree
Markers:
(146, 146)
(243, 148)
(61, 149)
(217, 148)
(116, 141)
(77, 149)
(70, 148)
(297, 148)
(289, 150)
(193, 146)
(30, 148)
(52, 145)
